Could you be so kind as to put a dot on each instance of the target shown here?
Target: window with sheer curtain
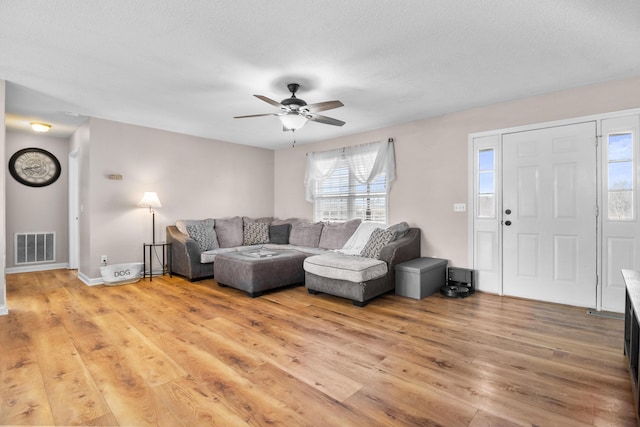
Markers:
(351, 182)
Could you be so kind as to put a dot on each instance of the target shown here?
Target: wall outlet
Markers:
(103, 260)
(459, 207)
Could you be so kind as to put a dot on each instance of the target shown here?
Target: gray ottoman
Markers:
(420, 277)
(254, 274)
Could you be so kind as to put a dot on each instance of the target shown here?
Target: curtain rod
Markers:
(390, 139)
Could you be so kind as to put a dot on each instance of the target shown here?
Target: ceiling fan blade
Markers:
(324, 106)
(269, 101)
(256, 115)
(324, 120)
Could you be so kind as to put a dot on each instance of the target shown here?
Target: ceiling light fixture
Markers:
(40, 127)
(292, 120)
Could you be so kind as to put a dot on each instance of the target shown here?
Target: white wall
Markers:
(38, 209)
(431, 160)
(194, 178)
(3, 203)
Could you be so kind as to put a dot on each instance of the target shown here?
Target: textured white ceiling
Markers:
(190, 66)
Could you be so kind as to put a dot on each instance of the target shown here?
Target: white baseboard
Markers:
(36, 267)
(89, 281)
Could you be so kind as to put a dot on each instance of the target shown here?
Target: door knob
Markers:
(507, 223)
(508, 211)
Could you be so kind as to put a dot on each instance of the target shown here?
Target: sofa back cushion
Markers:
(230, 232)
(336, 234)
(306, 234)
(291, 221)
(399, 230)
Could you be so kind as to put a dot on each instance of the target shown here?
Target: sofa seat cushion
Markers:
(345, 267)
(304, 249)
(208, 257)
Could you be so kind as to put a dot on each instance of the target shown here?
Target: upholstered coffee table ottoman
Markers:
(256, 271)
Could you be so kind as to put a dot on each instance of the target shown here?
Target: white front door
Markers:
(549, 214)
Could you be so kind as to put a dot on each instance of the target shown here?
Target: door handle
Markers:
(508, 212)
(507, 223)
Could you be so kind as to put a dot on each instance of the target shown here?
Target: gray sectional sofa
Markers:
(195, 244)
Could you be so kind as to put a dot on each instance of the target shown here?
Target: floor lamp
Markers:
(150, 200)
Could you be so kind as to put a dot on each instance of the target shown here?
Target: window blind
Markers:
(341, 197)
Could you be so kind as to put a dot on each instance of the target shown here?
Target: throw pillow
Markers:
(256, 233)
(204, 234)
(378, 240)
(360, 237)
(279, 234)
(306, 234)
(181, 224)
(399, 230)
(229, 231)
(335, 234)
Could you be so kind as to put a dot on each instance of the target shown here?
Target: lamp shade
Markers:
(292, 120)
(150, 200)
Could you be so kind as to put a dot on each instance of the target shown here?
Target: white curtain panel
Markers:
(366, 162)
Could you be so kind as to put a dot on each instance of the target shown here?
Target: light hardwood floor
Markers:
(174, 353)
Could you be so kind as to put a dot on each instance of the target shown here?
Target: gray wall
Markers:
(38, 209)
(194, 178)
(432, 160)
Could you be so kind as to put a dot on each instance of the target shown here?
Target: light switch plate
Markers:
(459, 207)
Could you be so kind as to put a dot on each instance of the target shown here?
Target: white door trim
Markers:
(74, 228)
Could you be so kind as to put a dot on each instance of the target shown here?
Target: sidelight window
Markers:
(620, 176)
(486, 182)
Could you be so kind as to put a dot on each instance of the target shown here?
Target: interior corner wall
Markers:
(432, 164)
(3, 202)
(80, 144)
(26, 205)
(194, 178)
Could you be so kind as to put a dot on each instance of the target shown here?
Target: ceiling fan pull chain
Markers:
(293, 131)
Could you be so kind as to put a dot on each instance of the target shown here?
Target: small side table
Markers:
(148, 249)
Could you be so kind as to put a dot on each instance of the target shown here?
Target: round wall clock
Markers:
(34, 167)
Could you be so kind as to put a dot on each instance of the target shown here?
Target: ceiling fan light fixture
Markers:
(40, 127)
(293, 121)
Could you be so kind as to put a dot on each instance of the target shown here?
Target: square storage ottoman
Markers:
(420, 277)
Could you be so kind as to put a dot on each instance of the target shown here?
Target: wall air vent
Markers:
(31, 248)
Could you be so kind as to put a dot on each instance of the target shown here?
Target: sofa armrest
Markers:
(185, 255)
(401, 250)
